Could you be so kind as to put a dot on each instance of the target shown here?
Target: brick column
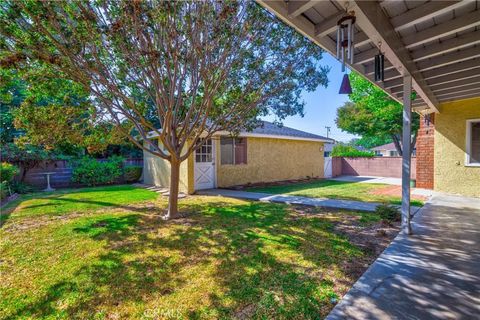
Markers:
(425, 152)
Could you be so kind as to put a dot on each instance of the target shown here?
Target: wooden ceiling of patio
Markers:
(437, 42)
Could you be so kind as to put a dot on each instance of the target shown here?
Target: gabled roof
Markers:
(388, 146)
(270, 129)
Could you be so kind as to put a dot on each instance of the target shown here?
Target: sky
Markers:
(321, 105)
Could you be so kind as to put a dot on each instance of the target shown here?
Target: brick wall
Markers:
(377, 166)
(425, 152)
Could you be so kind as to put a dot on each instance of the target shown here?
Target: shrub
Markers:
(4, 190)
(388, 213)
(91, 172)
(132, 173)
(349, 151)
(21, 187)
(7, 172)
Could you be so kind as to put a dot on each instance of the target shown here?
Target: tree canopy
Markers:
(373, 115)
(184, 70)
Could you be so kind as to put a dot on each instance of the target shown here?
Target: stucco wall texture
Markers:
(272, 160)
(156, 171)
(451, 174)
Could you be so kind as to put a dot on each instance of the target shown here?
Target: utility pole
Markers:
(328, 130)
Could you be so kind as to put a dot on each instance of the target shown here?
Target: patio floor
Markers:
(433, 274)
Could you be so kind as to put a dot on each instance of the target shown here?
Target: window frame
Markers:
(234, 142)
(468, 143)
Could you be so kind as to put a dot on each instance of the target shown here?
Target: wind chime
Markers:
(345, 46)
(379, 64)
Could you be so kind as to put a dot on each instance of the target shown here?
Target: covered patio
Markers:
(431, 49)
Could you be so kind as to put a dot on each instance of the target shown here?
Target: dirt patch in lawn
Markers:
(371, 237)
(395, 191)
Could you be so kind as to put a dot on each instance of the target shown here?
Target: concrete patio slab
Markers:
(432, 274)
(289, 199)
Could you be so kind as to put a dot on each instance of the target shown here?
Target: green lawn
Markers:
(104, 253)
(333, 189)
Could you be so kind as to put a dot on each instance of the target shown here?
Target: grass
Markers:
(333, 189)
(78, 200)
(105, 254)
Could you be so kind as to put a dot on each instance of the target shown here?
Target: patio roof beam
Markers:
(449, 58)
(466, 74)
(472, 82)
(446, 46)
(376, 25)
(458, 24)
(296, 8)
(461, 95)
(306, 28)
(444, 72)
(328, 25)
(459, 91)
(456, 84)
(423, 12)
(452, 69)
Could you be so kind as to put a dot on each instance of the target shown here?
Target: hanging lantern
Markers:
(345, 35)
(379, 67)
(345, 88)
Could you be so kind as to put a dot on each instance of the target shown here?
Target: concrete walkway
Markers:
(383, 180)
(432, 274)
(282, 198)
(369, 179)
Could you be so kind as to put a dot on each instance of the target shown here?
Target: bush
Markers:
(4, 190)
(21, 187)
(388, 213)
(132, 173)
(7, 172)
(89, 171)
(349, 151)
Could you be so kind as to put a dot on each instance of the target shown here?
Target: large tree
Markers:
(372, 114)
(198, 67)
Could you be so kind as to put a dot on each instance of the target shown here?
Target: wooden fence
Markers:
(62, 173)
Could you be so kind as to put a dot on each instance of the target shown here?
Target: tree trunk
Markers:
(396, 142)
(173, 192)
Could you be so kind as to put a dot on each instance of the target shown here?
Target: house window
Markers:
(233, 150)
(473, 142)
(204, 154)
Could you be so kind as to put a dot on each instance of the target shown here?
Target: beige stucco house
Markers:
(266, 154)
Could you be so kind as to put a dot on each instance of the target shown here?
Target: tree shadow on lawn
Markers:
(55, 198)
(267, 263)
(333, 189)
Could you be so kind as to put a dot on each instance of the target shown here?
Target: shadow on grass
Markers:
(333, 189)
(268, 263)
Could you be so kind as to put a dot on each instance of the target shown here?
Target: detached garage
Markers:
(266, 154)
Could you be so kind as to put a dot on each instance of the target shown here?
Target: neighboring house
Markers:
(389, 150)
(266, 154)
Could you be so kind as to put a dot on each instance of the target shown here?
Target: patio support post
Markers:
(406, 152)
